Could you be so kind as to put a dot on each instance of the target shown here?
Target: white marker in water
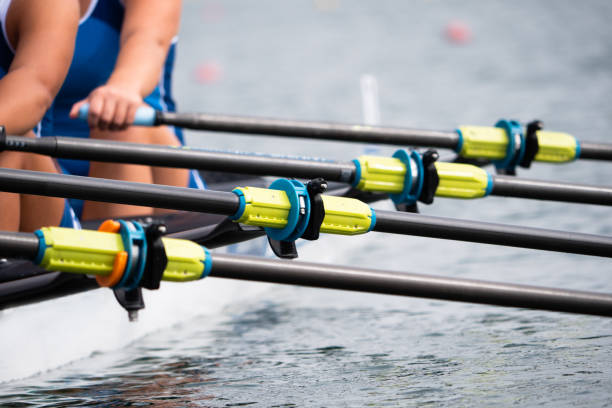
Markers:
(370, 106)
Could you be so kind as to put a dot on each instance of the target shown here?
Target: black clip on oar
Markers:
(429, 183)
(129, 292)
(131, 300)
(532, 144)
(315, 188)
(289, 210)
(156, 256)
(125, 256)
(283, 249)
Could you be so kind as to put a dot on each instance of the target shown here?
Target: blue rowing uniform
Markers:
(95, 55)
(7, 53)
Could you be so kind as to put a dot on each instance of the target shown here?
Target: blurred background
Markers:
(418, 63)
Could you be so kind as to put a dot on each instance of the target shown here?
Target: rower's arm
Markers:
(43, 34)
(148, 29)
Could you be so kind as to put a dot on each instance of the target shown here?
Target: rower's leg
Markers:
(116, 171)
(162, 135)
(23, 212)
(129, 172)
(40, 211)
(9, 202)
(165, 175)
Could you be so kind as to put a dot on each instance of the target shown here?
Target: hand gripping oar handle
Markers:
(507, 143)
(294, 128)
(145, 115)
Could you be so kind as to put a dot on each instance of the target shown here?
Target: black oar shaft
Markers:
(404, 284)
(337, 131)
(255, 164)
(490, 233)
(595, 151)
(181, 157)
(216, 202)
(95, 189)
(25, 245)
(546, 190)
(312, 130)
(18, 245)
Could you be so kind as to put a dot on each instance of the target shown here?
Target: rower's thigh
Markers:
(39, 211)
(163, 135)
(9, 202)
(118, 171)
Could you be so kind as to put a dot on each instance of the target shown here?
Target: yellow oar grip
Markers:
(462, 181)
(95, 253)
(264, 207)
(492, 143)
(381, 174)
(78, 251)
(270, 208)
(346, 216)
(556, 147)
(186, 260)
(483, 142)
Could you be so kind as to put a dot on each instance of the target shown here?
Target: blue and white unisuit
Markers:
(95, 55)
(7, 53)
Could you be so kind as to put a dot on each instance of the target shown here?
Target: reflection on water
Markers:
(273, 356)
(303, 347)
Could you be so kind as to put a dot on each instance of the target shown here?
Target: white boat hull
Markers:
(39, 337)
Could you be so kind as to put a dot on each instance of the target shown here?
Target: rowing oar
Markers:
(407, 177)
(104, 255)
(288, 211)
(507, 143)
(22, 284)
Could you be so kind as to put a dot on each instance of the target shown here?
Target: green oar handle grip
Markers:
(145, 115)
(94, 253)
(271, 209)
(458, 180)
(394, 176)
(402, 176)
(187, 261)
(482, 142)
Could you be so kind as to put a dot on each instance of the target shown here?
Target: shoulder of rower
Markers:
(23, 14)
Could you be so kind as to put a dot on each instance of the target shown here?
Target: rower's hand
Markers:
(110, 107)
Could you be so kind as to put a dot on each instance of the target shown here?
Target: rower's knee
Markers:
(129, 135)
(163, 135)
(12, 160)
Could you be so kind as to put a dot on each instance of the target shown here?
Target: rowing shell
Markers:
(39, 335)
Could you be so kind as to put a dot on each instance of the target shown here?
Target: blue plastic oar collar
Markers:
(133, 237)
(299, 214)
(207, 263)
(412, 191)
(516, 145)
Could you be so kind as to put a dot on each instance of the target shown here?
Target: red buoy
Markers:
(207, 72)
(458, 32)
